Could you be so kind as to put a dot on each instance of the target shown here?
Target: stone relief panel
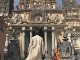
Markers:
(57, 20)
(49, 17)
(16, 19)
(27, 18)
(38, 18)
(37, 4)
(21, 18)
(65, 49)
(54, 18)
(22, 15)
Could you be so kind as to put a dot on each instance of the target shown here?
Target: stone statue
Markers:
(48, 17)
(65, 48)
(57, 20)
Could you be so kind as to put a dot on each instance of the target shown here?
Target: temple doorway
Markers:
(41, 31)
(47, 38)
(27, 38)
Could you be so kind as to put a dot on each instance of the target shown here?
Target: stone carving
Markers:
(26, 19)
(37, 16)
(49, 17)
(38, 19)
(57, 20)
(68, 5)
(19, 20)
(37, 4)
(16, 19)
(65, 48)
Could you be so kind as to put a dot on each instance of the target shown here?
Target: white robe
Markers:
(36, 48)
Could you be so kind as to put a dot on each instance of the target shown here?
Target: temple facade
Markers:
(54, 22)
(72, 16)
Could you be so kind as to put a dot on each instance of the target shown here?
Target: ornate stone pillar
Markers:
(30, 33)
(45, 37)
(7, 38)
(23, 43)
(53, 39)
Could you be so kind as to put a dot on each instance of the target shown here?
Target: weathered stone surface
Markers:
(14, 50)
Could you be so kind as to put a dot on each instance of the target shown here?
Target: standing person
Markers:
(53, 55)
(57, 54)
(36, 47)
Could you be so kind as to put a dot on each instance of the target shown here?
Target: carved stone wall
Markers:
(6, 7)
(37, 4)
(68, 7)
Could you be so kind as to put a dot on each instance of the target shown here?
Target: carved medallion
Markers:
(38, 18)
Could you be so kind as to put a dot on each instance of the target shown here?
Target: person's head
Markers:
(37, 32)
